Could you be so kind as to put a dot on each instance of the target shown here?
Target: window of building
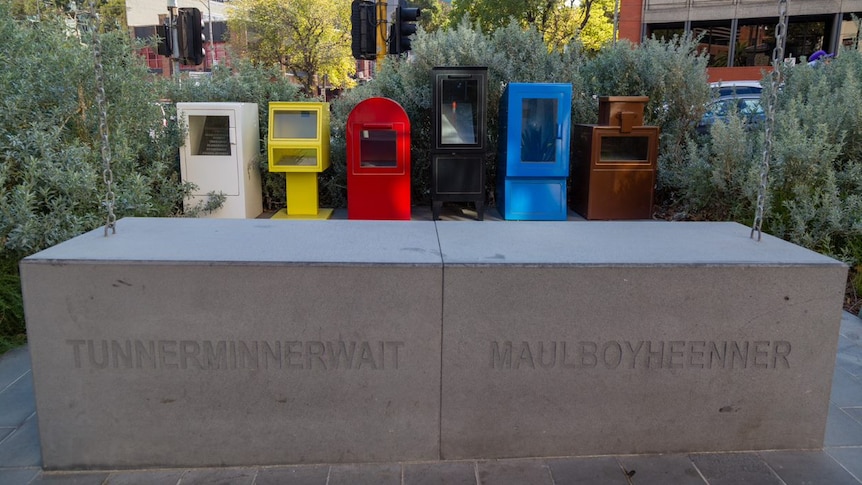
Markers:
(666, 31)
(850, 31)
(714, 40)
(755, 41)
(806, 36)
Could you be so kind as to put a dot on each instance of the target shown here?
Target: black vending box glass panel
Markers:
(378, 148)
(539, 129)
(460, 105)
(458, 175)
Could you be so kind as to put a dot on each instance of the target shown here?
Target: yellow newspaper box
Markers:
(298, 145)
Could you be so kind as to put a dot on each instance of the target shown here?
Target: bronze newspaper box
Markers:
(614, 162)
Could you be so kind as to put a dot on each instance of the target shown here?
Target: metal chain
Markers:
(771, 103)
(101, 101)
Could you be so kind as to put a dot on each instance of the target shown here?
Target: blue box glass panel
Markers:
(533, 151)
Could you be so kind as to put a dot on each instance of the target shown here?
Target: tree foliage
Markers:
(310, 39)
(559, 21)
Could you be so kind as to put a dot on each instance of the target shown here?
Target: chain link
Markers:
(102, 104)
(769, 124)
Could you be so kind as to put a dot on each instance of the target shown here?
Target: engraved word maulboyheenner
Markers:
(640, 354)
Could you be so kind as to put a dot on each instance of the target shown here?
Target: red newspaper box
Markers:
(378, 161)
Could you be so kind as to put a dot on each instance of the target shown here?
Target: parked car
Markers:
(742, 97)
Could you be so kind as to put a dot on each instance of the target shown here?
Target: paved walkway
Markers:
(840, 462)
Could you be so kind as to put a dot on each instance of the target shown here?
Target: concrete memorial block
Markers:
(582, 338)
(182, 342)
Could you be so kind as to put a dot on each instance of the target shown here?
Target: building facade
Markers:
(143, 15)
(739, 35)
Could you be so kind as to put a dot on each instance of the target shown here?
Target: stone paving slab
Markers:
(735, 469)
(455, 473)
(662, 470)
(17, 399)
(593, 470)
(806, 467)
(21, 448)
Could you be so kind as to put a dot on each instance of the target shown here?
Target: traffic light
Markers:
(190, 36)
(402, 29)
(363, 22)
(164, 47)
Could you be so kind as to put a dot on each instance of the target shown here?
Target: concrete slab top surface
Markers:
(349, 242)
(650, 243)
(254, 241)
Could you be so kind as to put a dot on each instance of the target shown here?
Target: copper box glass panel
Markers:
(613, 173)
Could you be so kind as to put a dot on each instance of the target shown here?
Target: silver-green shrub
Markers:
(51, 183)
(814, 195)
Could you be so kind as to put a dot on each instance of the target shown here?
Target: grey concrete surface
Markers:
(838, 462)
(624, 335)
(330, 354)
(21, 461)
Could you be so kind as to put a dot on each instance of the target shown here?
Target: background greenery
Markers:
(51, 166)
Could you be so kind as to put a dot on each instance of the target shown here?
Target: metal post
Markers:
(212, 42)
(175, 40)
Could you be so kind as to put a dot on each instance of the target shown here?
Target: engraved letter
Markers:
(553, 353)
(272, 352)
(716, 354)
(123, 353)
(658, 355)
(612, 359)
(337, 351)
(167, 349)
(247, 356)
(147, 351)
(289, 353)
(91, 353)
(692, 353)
(190, 349)
(676, 350)
(504, 360)
(313, 348)
(366, 356)
(761, 350)
(395, 345)
(563, 360)
(588, 357)
(215, 358)
(525, 355)
(737, 352)
(76, 351)
(634, 351)
(780, 348)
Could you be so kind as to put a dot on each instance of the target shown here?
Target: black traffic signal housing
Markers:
(190, 36)
(403, 28)
(363, 25)
(165, 45)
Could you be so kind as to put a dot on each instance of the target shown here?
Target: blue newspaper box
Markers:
(533, 151)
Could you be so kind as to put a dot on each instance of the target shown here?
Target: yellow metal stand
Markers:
(302, 198)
